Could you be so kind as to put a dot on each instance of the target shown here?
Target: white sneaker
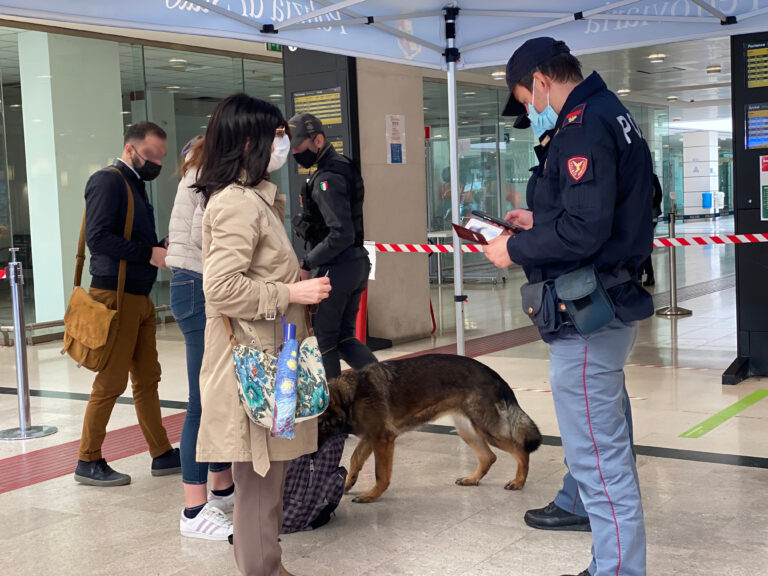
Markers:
(224, 503)
(210, 524)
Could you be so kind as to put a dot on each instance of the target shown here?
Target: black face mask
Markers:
(147, 171)
(306, 159)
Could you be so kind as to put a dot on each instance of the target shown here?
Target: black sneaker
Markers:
(166, 464)
(552, 517)
(99, 473)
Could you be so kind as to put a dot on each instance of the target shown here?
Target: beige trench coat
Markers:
(247, 262)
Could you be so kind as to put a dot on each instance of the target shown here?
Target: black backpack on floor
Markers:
(314, 486)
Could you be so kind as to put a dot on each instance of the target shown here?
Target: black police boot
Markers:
(552, 517)
(585, 573)
(166, 464)
(99, 473)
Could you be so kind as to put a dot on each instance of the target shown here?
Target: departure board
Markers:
(325, 105)
(756, 55)
(757, 125)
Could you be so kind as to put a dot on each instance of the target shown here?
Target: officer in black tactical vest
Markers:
(331, 224)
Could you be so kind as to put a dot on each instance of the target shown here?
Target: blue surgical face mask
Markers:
(541, 121)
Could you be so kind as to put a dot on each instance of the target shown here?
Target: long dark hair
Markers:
(238, 143)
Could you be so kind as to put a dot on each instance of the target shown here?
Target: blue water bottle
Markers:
(283, 423)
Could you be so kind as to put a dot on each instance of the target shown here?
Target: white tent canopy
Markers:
(413, 32)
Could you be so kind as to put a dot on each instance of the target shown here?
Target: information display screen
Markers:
(326, 106)
(757, 125)
(756, 56)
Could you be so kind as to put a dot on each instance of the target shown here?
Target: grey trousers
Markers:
(258, 518)
(587, 376)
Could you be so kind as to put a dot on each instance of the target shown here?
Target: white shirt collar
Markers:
(131, 167)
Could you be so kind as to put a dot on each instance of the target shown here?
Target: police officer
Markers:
(590, 209)
(331, 223)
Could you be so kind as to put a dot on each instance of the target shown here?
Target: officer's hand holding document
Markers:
(496, 249)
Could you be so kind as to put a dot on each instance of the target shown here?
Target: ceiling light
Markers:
(623, 91)
(425, 108)
(499, 75)
(676, 119)
(173, 87)
(15, 106)
(671, 98)
(464, 122)
(125, 112)
(714, 69)
(483, 113)
(657, 58)
(275, 96)
(177, 61)
(469, 93)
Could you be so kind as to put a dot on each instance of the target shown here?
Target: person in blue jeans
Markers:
(205, 513)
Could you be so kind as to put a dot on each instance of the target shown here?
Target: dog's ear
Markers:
(333, 420)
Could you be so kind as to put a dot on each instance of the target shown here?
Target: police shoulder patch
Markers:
(577, 167)
(324, 185)
(575, 116)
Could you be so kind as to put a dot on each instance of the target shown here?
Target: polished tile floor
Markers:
(703, 497)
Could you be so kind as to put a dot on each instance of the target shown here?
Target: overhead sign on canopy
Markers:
(412, 31)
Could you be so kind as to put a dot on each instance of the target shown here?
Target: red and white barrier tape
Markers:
(426, 248)
(681, 242)
(705, 240)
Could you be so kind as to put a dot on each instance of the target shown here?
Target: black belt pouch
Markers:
(585, 299)
(540, 304)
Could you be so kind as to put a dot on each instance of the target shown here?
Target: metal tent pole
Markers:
(451, 57)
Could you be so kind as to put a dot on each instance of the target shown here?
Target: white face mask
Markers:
(281, 147)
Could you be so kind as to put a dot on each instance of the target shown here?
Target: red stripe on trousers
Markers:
(597, 454)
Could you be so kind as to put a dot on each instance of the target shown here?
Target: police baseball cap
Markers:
(303, 126)
(532, 54)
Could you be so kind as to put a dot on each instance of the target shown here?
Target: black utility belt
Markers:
(579, 298)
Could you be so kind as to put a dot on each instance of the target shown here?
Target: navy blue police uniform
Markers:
(591, 200)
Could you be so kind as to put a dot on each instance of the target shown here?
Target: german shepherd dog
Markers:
(381, 401)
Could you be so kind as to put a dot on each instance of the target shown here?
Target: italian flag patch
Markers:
(324, 185)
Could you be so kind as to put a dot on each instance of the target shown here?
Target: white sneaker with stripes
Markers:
(210, 524)
(224, 503)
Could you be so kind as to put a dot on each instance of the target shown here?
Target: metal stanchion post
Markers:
(673, 310)
(25, 429)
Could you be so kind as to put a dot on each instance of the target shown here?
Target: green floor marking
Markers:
(711, 423)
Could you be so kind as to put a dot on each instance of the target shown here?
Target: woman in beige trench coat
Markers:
(251, 274)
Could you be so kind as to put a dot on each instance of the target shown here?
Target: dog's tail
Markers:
(523, 430)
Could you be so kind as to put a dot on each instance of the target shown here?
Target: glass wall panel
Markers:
(14, 203)
(479, 162)
(264, 80)
(180, 90)
(725, 170)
